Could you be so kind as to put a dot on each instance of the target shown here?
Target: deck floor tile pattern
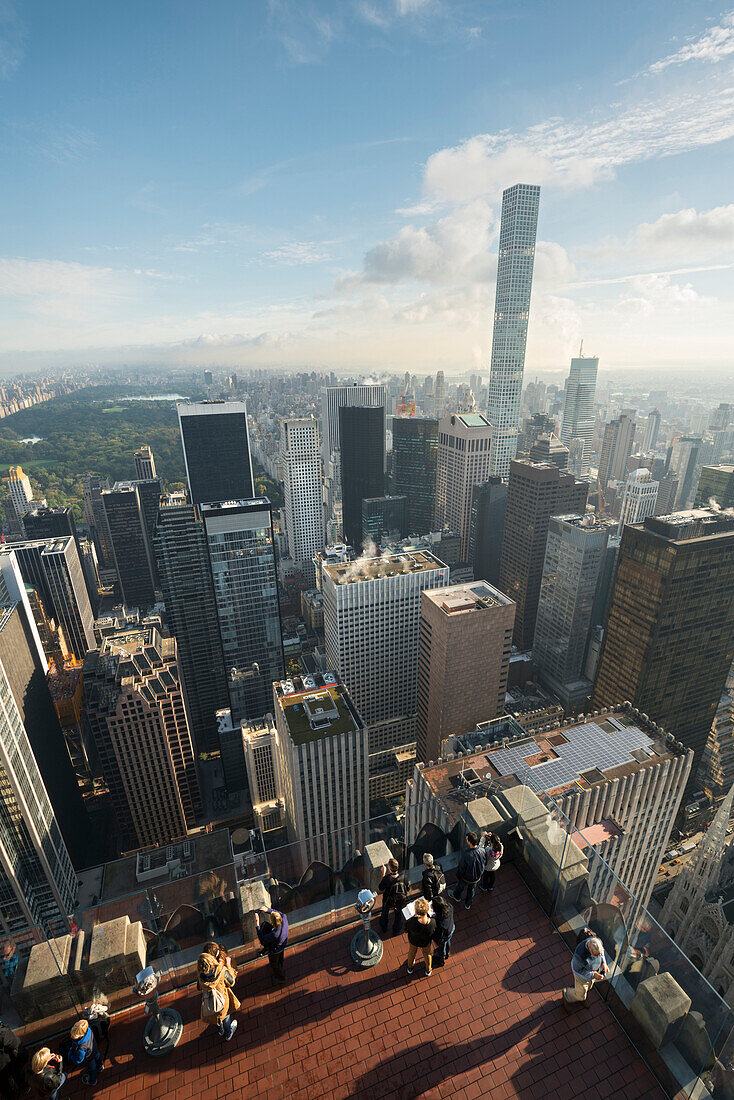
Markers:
(488, 1024)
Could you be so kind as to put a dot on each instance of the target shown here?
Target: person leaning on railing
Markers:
(273, 935)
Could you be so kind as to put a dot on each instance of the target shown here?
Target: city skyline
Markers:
(383, 248)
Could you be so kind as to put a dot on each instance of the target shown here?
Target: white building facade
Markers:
(304, 514)
(639, 499)
(463, 460)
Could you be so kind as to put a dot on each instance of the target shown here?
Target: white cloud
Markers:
(303, 28)
(648, 294)
(58, 288)
(712, 46)
(12, 39)
(296, 253)
(577, 154)
(689, 235)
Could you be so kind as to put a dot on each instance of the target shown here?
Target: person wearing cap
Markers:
(588, 965)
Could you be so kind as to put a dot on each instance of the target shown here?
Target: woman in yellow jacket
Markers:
(218, 1002)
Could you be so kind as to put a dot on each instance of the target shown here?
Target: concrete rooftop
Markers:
(488, 1024)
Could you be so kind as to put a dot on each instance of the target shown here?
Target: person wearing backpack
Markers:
(434, 881)
(470, 870)
(218, 1002)
(443, 912)
(493, 852)
(394, 890)
(273, 935)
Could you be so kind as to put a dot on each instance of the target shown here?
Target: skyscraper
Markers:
(440, 396)
(488, 509)
(574, 557)
(37, 879)
(463, 661)
(96, 518)
(716, 483)
(652, 430)
(144, 464)
(682, 459)
(383, 517)
(216, 448)
(53, 568)
(322, 750)
(669, 640)
(137, 715)
(465, 442)
(334, 398)
(19, 487)
(130, 544)
(362, 434)
(371, 625)
(242, 554)
(414, 451)
(191, 613)
(304, 509)
(535, 493)
(578, 412)
(619, 435)
(518, 230)
(548, 448)
(640, 497)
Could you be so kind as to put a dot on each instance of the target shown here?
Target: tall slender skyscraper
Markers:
(578, 413)
(362, 432)
(535, 493)
(518, 230)
(144, 464)
(440, 397)
(191, 613)
(96, 518)
(488, 508)
(619, 435)
(216, 447)
(669, 640)
(464, 455)
(242, 555)
(137, 714)
(130, 543)
(652, 429)
(414, 451)
(682, 459)
(304, 510)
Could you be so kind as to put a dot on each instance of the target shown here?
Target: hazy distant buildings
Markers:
(414, 451)
(216, 448)
(535, 492)
(682, 459)
(619, 436)
(144, 464)
(578, 412)
(304, 509)
(639, 499)
(371, 627)
(138, 719)
(669, 639)
(518, 229)
(465, 442)
(191, 613)
(130, 543)
(574, 556)
(242, 554)
(362, 434)
(463, 661)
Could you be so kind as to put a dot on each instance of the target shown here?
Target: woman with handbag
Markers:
(493, 852)
(218, 1002)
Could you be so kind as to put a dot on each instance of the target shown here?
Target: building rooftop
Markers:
(315, 707)
(579, 755)
(463, 598)
(157, 866)
(489, 1024)
(382, 565)
(693, 523)
(473, 420)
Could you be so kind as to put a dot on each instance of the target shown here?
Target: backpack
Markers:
(401, 892)
(212, 1002)
(437, 880)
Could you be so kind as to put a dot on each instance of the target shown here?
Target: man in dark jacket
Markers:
(470, 870)
(394, 896)
(433, 881)
(13, 1058)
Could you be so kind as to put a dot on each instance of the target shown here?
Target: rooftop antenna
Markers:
(581, 350)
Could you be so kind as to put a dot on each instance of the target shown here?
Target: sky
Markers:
(294, 183)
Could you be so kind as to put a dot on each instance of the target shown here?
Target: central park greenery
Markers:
(97, 430)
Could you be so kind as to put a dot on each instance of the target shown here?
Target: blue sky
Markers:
(317, 184)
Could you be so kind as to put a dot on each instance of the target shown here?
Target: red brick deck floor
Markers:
(489, 1023)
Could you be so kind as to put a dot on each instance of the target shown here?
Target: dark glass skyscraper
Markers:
(488, 508)
(182, 556)
(414, 449)
(669, 639)
(242, 555)
(362, 434)
(130, 545)
(383, 516)
(216, 447)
